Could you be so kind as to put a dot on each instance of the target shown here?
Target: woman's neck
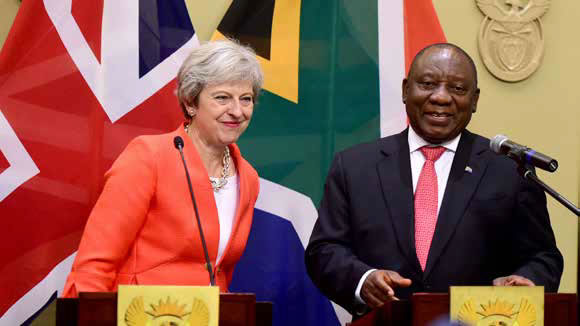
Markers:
(211, 155)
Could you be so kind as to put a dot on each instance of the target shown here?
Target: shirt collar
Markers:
(416, 142)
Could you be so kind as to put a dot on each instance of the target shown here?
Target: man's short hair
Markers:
(444, 46)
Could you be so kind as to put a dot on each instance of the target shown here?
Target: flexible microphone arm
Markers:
(527, 159)
(178, 142)
(527, 172)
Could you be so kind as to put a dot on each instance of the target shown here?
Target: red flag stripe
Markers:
(422, 28)
(88, 15)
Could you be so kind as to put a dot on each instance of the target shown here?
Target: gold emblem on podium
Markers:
(168, 306)
(498, 313)
(511, 38)
(497, 306)
(166, 313)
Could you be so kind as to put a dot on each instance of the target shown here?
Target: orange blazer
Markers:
(142, 229)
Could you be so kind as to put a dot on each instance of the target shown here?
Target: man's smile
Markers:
(438, 117)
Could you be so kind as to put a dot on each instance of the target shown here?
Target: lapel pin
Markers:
(468, 169)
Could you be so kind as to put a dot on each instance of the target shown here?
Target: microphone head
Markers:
(495, 143)
(178, 142)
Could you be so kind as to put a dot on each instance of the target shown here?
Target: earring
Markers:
(191, 113)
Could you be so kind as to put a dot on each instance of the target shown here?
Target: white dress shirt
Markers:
(226, 200)
(442, 169)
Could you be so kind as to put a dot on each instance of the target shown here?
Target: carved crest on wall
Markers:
(511, 38)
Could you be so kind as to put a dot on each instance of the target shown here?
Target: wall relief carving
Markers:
(511, 38)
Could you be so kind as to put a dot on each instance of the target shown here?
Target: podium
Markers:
(560, 309)
(100, 308)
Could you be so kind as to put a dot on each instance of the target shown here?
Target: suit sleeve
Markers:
(534, 241)
(330, 259)
(115, 220)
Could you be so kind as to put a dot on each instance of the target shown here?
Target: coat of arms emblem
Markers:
(167, 313)
(511, 39)
(497, 305)
(498, 313)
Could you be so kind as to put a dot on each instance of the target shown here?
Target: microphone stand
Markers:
(527, 171)
(179, 145)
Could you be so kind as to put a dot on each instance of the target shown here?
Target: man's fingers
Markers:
(376, 290)
(500, 281)
(521, 281)
(376, 298)
(382, 290)
(379, 287)
(373, 296)
(512, 280)
(395, 280)
(403, 282)
(383, 296)
(371, 300)
(380, 281)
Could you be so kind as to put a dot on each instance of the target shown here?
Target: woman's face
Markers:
(223, 112)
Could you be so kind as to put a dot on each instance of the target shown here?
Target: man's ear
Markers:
(475, 100)
(404, 90)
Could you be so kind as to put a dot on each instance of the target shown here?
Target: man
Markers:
(432, 206)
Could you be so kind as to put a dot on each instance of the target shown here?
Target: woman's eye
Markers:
(247, 99)
(221, 97)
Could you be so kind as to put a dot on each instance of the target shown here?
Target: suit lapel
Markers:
(460, 188)
(394, 170)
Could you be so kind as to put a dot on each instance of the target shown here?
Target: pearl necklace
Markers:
(222, 181)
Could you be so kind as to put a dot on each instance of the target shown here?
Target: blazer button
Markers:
(428, 287)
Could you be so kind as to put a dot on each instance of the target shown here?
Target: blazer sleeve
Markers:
(115, 220)
(534, 241)
(330, 259)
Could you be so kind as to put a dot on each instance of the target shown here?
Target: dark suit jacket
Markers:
(491, 223)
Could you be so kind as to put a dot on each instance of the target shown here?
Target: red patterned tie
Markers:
(426, 203)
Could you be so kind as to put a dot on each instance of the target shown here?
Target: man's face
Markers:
(440, 94)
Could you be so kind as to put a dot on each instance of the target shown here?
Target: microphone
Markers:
(501, 144)
(178, 143)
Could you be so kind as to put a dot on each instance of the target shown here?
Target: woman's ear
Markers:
(191, 110)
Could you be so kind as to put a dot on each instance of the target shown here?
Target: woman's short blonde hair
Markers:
(214, 63)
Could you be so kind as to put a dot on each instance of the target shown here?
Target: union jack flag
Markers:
(79, 79)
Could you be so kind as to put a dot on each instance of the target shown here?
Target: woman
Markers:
(142, 229)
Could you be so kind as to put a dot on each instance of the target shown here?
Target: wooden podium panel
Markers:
(237, 309)
(100, 308)
(560, 309)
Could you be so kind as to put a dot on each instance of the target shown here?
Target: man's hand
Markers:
(379, 287)
(512, 280)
